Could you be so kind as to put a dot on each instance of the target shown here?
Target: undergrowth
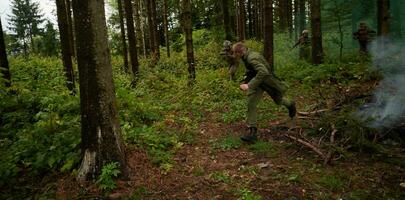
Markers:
(40, 119)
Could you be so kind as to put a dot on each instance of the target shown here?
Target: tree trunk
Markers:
(250, 18)
(188, 32)
(4, 68)
(166, 24)
(296, 25)
(139, 24)
(268, 33)
(317, 49)
(289, 16)
(241, 20)
(133, 55)
(282, 14)
(101, 133)
(71, 29)
(225, 16)
(63, 24)
(383, 17)
(150, 27)
(155, 31)
(302, 15)
(123, 36)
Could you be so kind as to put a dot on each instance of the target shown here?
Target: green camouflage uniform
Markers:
(230, 59)
(260, 78)
(305, 47)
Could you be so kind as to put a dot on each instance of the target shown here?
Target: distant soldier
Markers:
(230, 58)
(305, 43)
(364, 35)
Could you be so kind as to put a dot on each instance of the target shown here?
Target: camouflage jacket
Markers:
(259, 72)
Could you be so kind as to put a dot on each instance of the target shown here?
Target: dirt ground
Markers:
(284, 170)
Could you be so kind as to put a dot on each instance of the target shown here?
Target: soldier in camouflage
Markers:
(305, 43)
(364, 35)
(259, 78)
(230, 59)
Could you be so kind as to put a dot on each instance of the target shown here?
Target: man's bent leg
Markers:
(254, 97)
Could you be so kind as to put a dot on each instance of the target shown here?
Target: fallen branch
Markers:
(332, 141)
(313, 112)
(307, 144)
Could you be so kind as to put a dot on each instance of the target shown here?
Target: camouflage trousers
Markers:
(255, 95)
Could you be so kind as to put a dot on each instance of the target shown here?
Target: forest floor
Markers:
(218, 166)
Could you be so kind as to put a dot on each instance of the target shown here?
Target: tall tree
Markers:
(133, 54)
(4, 68)
(383, 17)
(24, 21)
(71, 29)
(302, 15)
(188, 32)
(268, 33)
(166, 26)
(150, 28)
(49, 41)
(101, 133)
(241, 20)
(250, 18)
(65, 43)
(123, 36)
(155, 30)
(289, 16)
(226, 20)
(139, 26)
(317, 48)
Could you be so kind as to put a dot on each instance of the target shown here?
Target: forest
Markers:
(203, 99)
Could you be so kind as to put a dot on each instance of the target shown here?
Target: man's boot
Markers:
(251, 136)
(292, 110)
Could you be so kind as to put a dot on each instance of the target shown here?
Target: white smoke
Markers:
(387, 110)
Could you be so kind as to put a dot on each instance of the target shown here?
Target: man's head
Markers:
(227, 45)
(239, 49)
(305, 33)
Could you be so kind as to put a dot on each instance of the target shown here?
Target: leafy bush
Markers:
(40, 121)
(106, 179)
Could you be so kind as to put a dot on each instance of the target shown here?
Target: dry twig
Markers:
(307, 144)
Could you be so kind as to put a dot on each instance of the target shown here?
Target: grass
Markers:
(262, 148)
(227, 143)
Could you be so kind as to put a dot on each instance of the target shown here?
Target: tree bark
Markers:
(133, 55)
(4, 68)
(296, 22)
(71, 29)
(166, 24)
(65, 42)
(155, 31)
(268, 33)
(317, 48)
(290, 18)
(123, 36)
(383, 17)
(241, 20)
(188, 32)
(150, 27)
(226, 20)
(139, 26)
(250, 18)
(282, 10)
(302, 15)
(101, 134)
